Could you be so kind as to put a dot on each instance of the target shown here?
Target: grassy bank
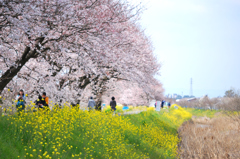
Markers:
(202, 112)
(207, 138)
(211, 134)
(72, 133)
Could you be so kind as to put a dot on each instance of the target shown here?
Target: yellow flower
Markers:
(45, 153)
(26, 95)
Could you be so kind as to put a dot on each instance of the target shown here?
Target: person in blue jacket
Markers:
(21, 100)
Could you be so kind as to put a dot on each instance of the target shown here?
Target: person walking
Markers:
(45, 98)
(91, 104)
(21, 100)
(162, 104)
(113, 104)
(169, 105)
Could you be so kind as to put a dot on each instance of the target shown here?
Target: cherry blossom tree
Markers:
(129, 93)
(64, 46)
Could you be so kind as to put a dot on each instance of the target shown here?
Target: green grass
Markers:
(202, 112)
(154, 119)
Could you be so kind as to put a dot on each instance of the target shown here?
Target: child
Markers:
(20, 101)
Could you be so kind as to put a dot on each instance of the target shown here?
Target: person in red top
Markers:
(44, 96)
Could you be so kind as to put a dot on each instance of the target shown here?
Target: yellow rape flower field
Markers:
(73, 133)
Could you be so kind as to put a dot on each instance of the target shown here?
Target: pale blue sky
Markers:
(198, 39)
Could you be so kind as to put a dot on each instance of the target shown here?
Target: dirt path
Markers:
(131, 112)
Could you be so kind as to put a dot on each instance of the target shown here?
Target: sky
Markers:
(198, 39)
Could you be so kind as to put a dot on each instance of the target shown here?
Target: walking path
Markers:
(131, 112)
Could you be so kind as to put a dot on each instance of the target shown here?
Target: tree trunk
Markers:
(99, 101)
(13, 70)
(99, 93)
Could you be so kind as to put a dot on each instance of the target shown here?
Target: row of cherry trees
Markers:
(64, 46)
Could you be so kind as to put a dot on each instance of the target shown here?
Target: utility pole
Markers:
(191, 91)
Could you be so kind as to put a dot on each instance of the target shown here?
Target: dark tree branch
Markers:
(13, 70)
